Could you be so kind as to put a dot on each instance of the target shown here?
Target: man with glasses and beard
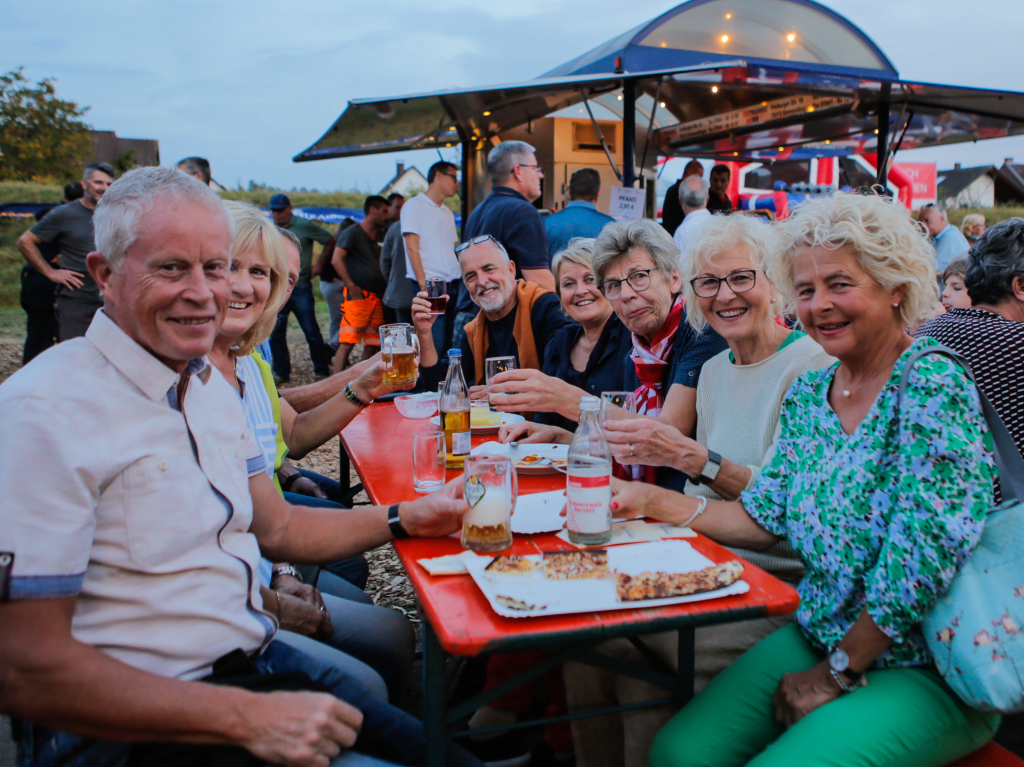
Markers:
(517, 318)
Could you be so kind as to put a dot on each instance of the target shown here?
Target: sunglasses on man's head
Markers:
(475, 241)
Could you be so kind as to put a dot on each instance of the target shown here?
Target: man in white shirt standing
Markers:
(693, 196)
(428, 228)
(135, 546)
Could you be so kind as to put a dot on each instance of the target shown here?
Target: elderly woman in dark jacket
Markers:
(586, 357)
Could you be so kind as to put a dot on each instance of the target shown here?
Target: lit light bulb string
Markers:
(790, 37)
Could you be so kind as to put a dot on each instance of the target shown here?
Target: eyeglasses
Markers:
(738, 282)
(535, 167)
(475, 241)
(639, 281)
(453, 176)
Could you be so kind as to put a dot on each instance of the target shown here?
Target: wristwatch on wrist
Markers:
(711, 468)
(395, 523)
(285, 570)
(839, 667)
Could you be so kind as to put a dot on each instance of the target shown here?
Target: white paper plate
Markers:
(539, 513)
(543, 449)
(592, 595)
(507, 419)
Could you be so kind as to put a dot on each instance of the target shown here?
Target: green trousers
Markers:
(905, 717)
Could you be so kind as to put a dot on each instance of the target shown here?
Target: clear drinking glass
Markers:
(493, 366)
(437, 295)
(428, 461)
(400, 352)
(490, 488)
(623, 399)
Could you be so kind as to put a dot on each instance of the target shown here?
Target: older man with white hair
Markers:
(136, 544)
(693, 195)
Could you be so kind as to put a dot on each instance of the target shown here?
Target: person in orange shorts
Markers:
(357, 261)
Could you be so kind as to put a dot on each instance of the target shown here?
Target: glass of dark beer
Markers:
(437, 295)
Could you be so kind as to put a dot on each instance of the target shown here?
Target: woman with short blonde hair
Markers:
(882, 496)
(581, 359)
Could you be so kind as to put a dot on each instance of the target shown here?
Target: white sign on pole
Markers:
(627, 203)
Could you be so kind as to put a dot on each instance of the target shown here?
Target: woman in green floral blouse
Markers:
(882, 506)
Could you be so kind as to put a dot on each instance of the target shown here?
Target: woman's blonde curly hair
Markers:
(253, 230)
(887, 244)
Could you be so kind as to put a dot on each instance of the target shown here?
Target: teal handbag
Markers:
(974, 629)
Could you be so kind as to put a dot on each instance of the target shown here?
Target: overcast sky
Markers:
(249, 85)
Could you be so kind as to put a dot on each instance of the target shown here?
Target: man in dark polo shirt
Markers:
(508, 215)
(301, 301)
(69, 227)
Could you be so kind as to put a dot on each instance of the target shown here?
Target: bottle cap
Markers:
(455, 352)
(590, 403)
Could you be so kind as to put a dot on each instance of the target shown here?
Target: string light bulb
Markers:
(661, 104)
(725, 38)
(791, 37)
(728, 15)
(714, 89)
(487, 114)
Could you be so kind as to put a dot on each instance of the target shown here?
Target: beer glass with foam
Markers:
(400, 352)
(490, 488)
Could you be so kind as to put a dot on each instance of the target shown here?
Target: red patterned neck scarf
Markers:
(651, 365)
(651, 362)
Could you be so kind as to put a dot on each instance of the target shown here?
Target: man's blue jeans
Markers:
(388, 733)
(303, 305)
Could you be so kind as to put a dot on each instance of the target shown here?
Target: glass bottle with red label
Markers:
(589, 481)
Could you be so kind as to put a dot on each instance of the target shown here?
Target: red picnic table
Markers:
(459, 621)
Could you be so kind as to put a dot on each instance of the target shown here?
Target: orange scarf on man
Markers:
(522, 331)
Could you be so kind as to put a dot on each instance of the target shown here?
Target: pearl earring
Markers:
(895, 306)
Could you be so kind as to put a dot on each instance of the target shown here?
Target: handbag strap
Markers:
(1008, 458)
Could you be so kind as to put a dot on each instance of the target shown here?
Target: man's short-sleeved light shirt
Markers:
(139, 510)
(687, 231)
(435, 224)
(949, 243)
